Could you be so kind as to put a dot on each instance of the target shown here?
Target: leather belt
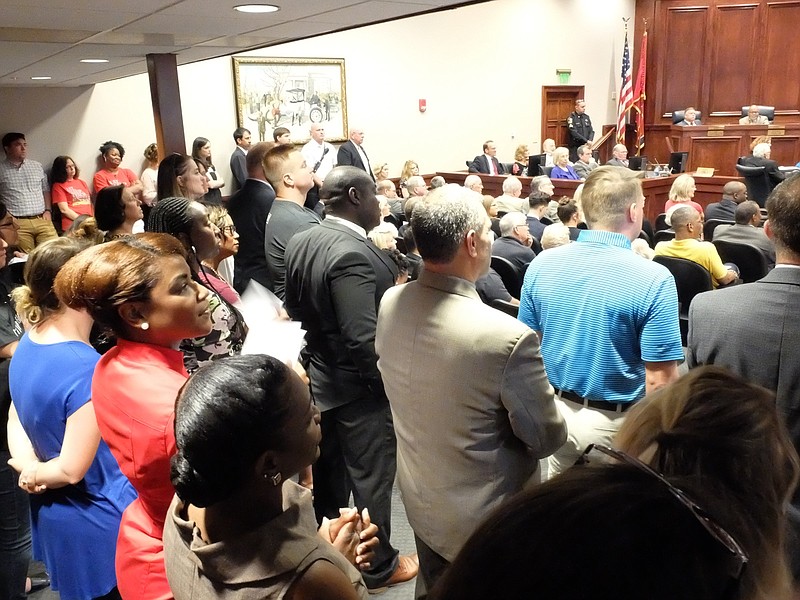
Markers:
(619, 407)
(39, 216)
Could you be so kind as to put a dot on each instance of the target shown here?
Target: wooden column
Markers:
(166, 96)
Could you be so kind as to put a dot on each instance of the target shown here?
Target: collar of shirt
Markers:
(13, 164)
(357, 228)
(610, 238)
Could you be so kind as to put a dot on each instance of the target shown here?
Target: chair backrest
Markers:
(767, 111)
(751, 261)
(661, 222)
(664, 235)
(536, 245)
(546, 170)
(401, 244)
(711, 225)
(756, 181)
(690, 278)
(506, 307)
(510, 275)
(677, 116)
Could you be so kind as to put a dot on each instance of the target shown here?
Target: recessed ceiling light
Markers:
(41, 78)
(94, 60)
(256, 8)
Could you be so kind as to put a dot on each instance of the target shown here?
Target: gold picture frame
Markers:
(291, 93)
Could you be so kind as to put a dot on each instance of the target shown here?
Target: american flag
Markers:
(626, 92)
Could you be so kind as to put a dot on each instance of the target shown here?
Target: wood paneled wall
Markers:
(719, 55)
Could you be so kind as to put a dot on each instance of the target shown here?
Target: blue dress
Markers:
(74, 527)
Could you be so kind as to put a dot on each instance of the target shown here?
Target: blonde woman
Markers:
(682, 192)
(520, 165)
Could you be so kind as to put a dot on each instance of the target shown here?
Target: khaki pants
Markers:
(33, 231)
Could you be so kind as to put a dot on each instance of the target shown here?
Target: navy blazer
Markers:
(249, 208)
(479, 165)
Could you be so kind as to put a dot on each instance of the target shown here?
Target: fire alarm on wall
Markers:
(423, 105)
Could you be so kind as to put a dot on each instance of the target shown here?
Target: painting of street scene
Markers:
(291, 93)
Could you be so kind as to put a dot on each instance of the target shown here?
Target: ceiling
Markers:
(50, 37)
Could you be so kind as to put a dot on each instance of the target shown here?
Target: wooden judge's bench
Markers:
(719, 146)
(655, 189)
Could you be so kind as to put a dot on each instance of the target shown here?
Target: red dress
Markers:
(133, 392)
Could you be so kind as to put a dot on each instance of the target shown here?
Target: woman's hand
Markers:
(27, 477)
(353, 535)
(365, 551)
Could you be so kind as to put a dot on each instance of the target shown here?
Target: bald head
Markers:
(687, 223)
(736, 191)
(349, 193)
(335, 189)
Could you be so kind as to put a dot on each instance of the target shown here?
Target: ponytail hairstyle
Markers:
(227, 415)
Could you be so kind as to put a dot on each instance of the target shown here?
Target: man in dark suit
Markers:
(515, 243)
(538, 202)
(351, 152)
(335, 278)
(249, 208)
(753, 329)
(238, 161)
(487, 162)
(733, 194)
(760, 158)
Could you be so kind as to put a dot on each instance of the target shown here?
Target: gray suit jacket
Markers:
(753, 330)
(747, 234)
(473, 409)
(615, 162)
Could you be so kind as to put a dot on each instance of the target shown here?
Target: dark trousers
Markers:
(15, 532)
(358, 455)
(432, 566)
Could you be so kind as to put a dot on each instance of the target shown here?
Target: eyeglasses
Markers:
(738, 556)
(228, 230)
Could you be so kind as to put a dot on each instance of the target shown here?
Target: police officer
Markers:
(580, 129)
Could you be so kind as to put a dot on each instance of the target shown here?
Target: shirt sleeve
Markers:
(528, 313)
(661, 333)
(59, 194)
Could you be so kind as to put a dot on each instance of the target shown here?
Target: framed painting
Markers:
(291, 93)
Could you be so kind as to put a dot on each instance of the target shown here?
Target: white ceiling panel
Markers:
(49, 37)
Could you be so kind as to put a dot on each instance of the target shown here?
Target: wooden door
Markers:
(557, 102)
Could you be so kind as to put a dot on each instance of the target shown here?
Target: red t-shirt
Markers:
(104, 178)
(76, 194)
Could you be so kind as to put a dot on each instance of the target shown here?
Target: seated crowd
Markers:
(161, 458)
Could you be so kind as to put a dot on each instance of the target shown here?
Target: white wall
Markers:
(480, 68)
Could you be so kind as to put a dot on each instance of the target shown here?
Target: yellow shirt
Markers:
(703, 253)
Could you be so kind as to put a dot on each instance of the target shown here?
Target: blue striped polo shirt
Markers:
(602, 312)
